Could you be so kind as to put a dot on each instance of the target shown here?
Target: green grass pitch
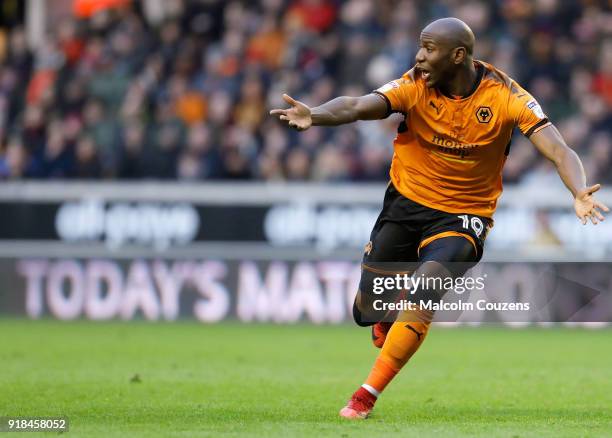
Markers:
(266, 380)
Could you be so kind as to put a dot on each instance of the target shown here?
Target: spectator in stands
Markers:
(114, 93)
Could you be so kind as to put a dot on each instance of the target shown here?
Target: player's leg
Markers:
(410, 329)
(448, 256)
(438, 251)
(390, 242)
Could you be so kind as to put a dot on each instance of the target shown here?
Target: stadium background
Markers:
(136, 147)
(144, 180)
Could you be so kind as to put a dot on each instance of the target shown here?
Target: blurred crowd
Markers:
(119, 95)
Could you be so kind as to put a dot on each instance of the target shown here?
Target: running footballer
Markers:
(446, 176)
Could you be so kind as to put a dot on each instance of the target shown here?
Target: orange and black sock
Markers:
(403, 340)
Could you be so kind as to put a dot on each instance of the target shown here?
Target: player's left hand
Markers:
(587, 207)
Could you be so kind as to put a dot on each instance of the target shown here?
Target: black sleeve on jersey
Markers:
(536, 126)
(389, 109)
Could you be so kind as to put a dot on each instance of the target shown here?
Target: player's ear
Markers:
(459, 55)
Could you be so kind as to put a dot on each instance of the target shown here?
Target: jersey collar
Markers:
(480, 69)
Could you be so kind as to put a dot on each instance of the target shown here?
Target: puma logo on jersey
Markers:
(434, 106)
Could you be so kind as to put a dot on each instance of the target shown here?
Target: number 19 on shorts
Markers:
(475, 223)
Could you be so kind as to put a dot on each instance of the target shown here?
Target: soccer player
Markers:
(446, 175)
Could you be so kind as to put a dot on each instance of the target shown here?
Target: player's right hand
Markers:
(587, 207)
(297, 117)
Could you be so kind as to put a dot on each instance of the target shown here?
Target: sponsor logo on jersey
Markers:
(452, 147)
(535, 107)
(391, 85)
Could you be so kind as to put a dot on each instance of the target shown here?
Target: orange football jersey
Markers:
(449, 152)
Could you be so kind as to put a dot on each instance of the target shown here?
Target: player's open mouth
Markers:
(424, 73)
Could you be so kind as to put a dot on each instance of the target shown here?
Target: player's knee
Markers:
(374, 289)
(431, 280)
(380, 279)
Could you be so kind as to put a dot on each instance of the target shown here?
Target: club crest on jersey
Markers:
(484, 114)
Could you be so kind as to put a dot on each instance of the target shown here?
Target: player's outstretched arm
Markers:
(551, 144)
(338, 111)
